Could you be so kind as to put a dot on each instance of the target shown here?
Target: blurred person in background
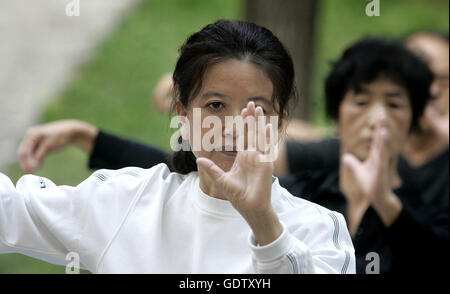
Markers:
(425, 155)
(407, 230)
(434, 49)
(424, 161)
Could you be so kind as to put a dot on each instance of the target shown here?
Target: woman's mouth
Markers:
(229, 153)
(367, 141)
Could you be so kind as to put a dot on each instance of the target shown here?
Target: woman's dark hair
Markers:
(370, 58)
(224, 40)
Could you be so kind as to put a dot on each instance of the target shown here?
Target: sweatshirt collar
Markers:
(218, 206)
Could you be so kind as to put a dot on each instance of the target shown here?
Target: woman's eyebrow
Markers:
(261, 99)
(361, 89)
(220, 95)
(395, 94)
(214, 94)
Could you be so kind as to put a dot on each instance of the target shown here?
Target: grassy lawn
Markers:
(112, 90)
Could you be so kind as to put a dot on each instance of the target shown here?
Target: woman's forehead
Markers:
(383, 84)
(236, 78)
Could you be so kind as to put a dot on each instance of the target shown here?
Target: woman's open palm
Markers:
(247, 185)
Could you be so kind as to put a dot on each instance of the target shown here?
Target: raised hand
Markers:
(40, 140)
(162, 93)
(369, 182)
(248, 184)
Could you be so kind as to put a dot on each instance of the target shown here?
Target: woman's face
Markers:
(359, 112)
(227, 87)
(435, 51)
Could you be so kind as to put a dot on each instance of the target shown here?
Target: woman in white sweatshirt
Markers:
(222, 212)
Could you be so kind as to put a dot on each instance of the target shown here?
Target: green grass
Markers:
(112, 89)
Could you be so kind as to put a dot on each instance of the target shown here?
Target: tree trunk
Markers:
(293, 22)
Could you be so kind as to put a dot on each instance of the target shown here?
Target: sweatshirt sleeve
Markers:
(112, 152)
(45, 221)
(322, 246)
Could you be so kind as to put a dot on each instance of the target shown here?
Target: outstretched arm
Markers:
(113, 152)
(45, 221)
(106, 151)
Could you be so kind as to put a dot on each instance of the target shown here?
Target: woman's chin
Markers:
(224, 161)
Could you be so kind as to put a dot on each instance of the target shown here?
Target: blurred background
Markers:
(102, 65)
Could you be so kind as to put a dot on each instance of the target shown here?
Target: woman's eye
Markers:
(361, 103)
(216, 106)
(394, 105)
(361, 99)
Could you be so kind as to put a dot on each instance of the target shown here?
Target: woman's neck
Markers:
(209, 188)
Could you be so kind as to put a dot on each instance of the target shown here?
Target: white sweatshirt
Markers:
(137, 220)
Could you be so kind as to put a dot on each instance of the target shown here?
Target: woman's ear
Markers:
(180, 109)
(283, 122)
(183, 121)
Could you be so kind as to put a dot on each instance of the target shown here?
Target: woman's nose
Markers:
(377, 113)
(229, 126)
